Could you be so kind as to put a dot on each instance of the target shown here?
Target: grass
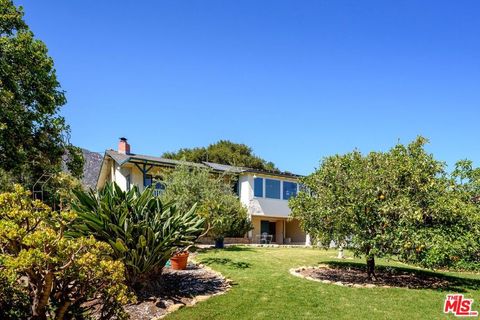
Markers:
(264, 289)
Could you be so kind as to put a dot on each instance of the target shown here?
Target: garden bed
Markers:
(356, 276)
(178, 288)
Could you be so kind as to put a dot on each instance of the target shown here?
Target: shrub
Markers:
(59, 275)
(142, 231)
(226, 216)
(6, 181)
(223, 212)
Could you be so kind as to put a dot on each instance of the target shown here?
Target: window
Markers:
(258, 187)
(272, 189)
(289, 190)
(147, 182)
(159, 186)
(129, 182)
(236, 188)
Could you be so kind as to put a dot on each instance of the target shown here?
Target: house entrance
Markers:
(268, 228)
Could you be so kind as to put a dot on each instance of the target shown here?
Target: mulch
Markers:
(385, 277)
(177, 288)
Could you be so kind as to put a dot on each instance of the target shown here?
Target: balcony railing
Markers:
(157, 192)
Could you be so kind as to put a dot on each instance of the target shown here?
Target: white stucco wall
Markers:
(256, 206)
(136, 177)
(262, 206)
(121, 176)
(246, 189)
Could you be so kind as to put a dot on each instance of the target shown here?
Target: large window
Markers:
(289, 190)
(272, 189)
(258, 187)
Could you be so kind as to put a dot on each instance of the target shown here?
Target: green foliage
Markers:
(6, 181)
(468, 179)
(32, 133)
(142, 231)
(221, 208)
(224, 152)
(238, 227)
(57, 274)
(59, 191)
(14, 299)
(400, 202)
(74, 161)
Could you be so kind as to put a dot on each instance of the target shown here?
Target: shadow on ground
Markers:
(175, 287)
(226, 262)
(238, 248)
(403, 277)
(234, 248)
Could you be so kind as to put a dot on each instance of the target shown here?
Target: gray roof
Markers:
(121, 158)
(224, 167)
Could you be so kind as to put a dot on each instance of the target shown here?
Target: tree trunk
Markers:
(371, 267)
(41, 298)
(62, 310)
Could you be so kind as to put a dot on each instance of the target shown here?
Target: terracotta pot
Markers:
(179, 261)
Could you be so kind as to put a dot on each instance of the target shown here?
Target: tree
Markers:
(224, 152)
(399, 203)
(221, 208)
(467, 178)
(60, 274)
(33, 136)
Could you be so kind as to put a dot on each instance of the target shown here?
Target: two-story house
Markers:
(265, 194)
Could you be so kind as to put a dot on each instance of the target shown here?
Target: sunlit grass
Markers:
(264, 289)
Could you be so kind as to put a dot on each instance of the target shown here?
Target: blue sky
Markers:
(295, 80)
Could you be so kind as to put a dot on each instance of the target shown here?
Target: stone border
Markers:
(296, 272)
(199, 298)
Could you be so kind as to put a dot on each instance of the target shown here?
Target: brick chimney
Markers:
(123, 146)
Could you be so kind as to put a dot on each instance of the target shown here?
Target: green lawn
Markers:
(264, 289)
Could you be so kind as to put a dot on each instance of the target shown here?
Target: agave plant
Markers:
(143, 231)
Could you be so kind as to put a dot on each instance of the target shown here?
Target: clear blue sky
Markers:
(296, 80)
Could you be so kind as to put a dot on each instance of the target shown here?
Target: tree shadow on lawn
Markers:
(226, 262)
(403, 277)
(233, 248)
(238, 248)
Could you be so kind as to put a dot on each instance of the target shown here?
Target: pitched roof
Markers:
(224, 167)
(121, 159)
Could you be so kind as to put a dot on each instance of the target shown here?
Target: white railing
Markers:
(157, 192)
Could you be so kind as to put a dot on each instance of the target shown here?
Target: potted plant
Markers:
(219, 243)
(179, 259)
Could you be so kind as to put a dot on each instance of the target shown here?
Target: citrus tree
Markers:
(400, 202)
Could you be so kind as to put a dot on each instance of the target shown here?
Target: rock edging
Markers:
(199, 298)
(297, 273)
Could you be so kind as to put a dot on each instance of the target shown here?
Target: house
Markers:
(264, 193)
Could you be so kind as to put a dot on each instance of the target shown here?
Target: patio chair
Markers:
(264, 238)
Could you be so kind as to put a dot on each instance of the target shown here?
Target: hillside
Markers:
(91, 168)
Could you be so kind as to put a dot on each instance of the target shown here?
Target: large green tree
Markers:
(223, 212)
(33, 136)
(224, 152)
(397, 203)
